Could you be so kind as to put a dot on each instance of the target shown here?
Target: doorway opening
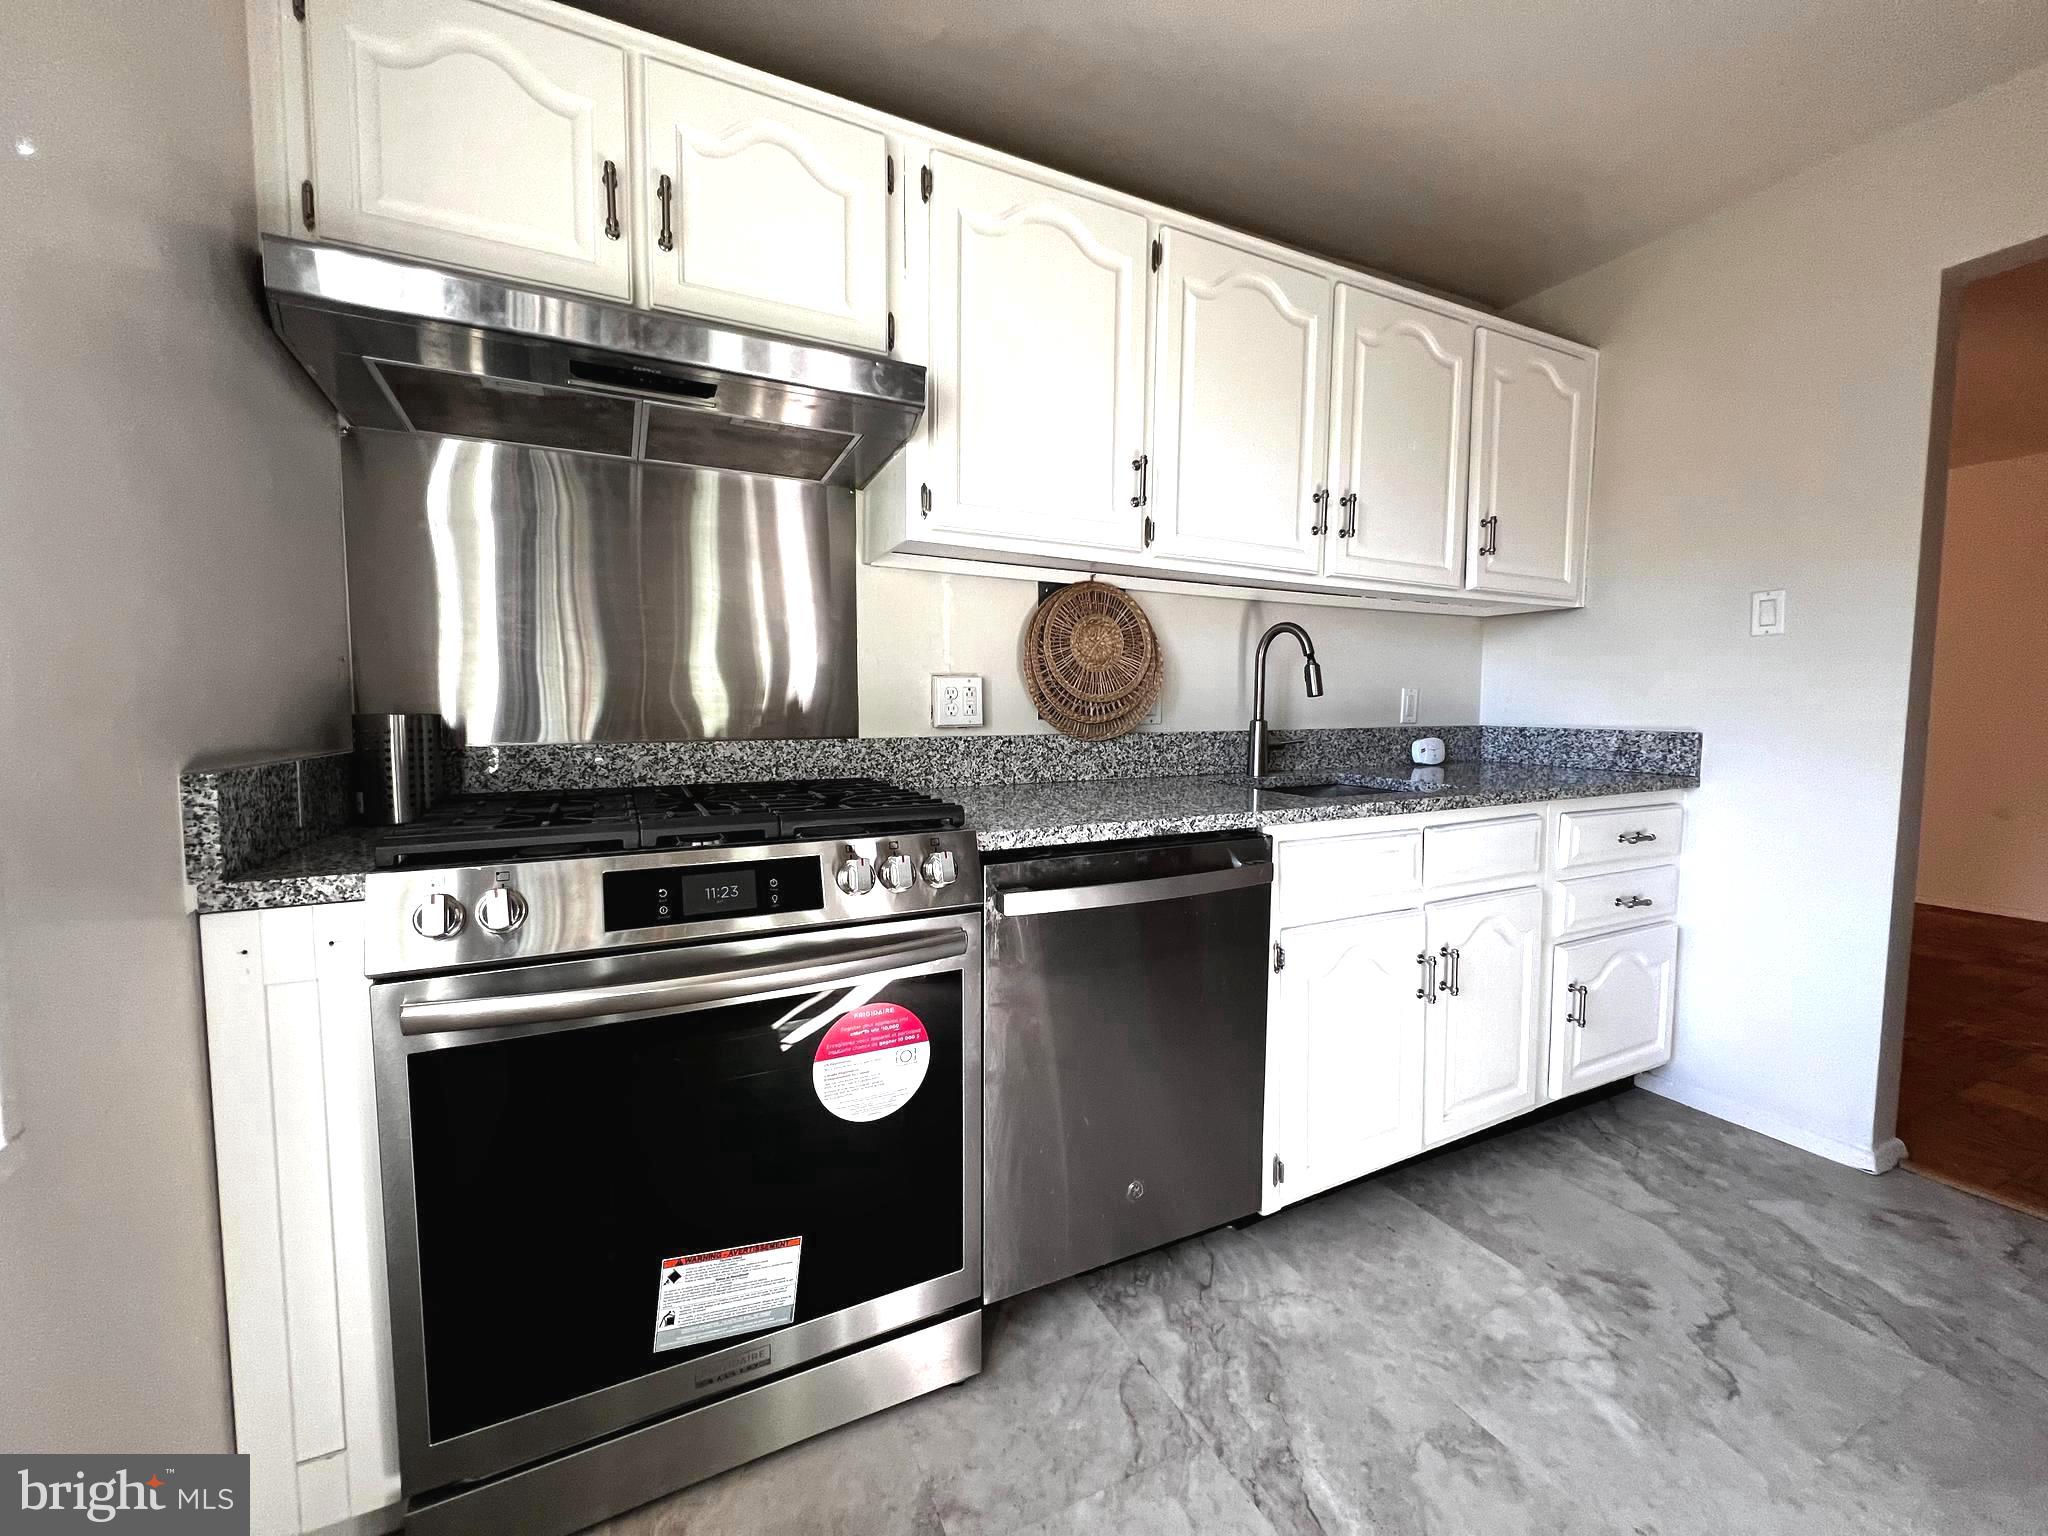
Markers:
(1973, 1075)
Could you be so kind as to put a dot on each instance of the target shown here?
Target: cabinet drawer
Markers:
(1346, 876)
(1617, 900)
(1482, 850)
(1637, 834)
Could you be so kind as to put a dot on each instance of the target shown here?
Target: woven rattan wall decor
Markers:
(1091, 661)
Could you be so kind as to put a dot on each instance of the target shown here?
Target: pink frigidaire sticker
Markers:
(871, 1061)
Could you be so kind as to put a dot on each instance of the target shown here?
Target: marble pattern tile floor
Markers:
(1629, 1319)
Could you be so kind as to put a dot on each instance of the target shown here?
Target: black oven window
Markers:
(554, 1173)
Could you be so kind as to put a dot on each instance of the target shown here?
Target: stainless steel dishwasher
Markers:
(1124, 995)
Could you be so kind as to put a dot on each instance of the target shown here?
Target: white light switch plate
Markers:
(956, 700)
(1767, 613)
(1408, 706)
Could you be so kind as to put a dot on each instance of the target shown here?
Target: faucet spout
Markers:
(1312, 682)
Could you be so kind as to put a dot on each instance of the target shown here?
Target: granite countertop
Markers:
(1006, 816)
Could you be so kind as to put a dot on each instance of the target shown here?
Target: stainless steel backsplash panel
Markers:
(534, 596)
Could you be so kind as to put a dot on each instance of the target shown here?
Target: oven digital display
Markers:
(707, 893)
(695, 893)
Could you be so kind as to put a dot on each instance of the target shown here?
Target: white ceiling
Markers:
(1491, 147)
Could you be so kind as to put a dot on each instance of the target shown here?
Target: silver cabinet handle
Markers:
(1142, 464)
(1317, 526)
(665, 194)
(1349, 502)
(1128, 893)
(1576, 1015)
(1489, 535)
(611, 200)
(1632, 838)
(1634, 901)
(1427, 991)
(1453, 968)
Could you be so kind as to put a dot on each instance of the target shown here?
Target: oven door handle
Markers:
(1129, 893)
(845, 960)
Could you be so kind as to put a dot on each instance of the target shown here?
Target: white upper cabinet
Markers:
(1398, 454)
(1532, 469)
(762, 211)
(1239, 406)
(1350, 989)
(1484, 1051)
(1037, 387)
(1613, 1001)
(464, 133)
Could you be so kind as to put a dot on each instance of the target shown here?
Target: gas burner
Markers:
(558, 823)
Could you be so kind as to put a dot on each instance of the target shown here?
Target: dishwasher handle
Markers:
(1128, 893)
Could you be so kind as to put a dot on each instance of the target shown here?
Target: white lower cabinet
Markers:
(1352, 988)
(1484, 1044)
(1613, 1000)
(1439, 974)
(301, 1216)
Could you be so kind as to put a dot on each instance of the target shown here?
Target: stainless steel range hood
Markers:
(407, 347)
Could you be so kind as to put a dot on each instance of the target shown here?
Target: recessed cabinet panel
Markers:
(1612, 1003)
(1485, 1035)
(776, 215)
(1353, 988)
(1240, 379)
(462, 133)
(1532, 469)
(1037, 362)
(1398, 455)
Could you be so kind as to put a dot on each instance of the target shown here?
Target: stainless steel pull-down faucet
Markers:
(1311, 676)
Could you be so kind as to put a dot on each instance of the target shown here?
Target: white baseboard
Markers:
(1876, 1159)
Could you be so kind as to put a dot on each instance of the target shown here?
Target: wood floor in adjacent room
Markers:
(1973, 1093)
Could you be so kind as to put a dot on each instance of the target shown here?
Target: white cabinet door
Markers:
(463, 133)
(1037, 361)
(762, 211)
(1398, 455)
(1532, 469)
(1485, 1036)
(1240, 372)
(1350, 990)
(1612, 1004)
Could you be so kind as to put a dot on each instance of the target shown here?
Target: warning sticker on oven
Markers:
(715, 1295)
(871, 1061)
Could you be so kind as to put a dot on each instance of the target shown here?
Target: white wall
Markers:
(1765, 383)
(171, 585)
(1984, 833)
(914, 623)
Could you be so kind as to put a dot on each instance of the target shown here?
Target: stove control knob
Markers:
(857, 875)
(940, 869)
(896, 872)
(440, 916)
(500, 910)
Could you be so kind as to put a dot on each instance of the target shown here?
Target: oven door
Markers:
(618, 1185)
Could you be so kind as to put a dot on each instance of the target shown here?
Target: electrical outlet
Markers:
(956, 701)
(1408, 706)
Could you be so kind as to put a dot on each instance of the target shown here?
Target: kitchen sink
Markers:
(1353, 789)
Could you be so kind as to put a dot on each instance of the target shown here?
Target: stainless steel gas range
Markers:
(680, 1143)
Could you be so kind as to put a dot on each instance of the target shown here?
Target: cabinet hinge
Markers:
(924, 501)
(306, 203)
(924, 183)
(1158, 253)
(891, 347)
(890, 162)
(1279, 954)
(1279, 1170)
(298, 10)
